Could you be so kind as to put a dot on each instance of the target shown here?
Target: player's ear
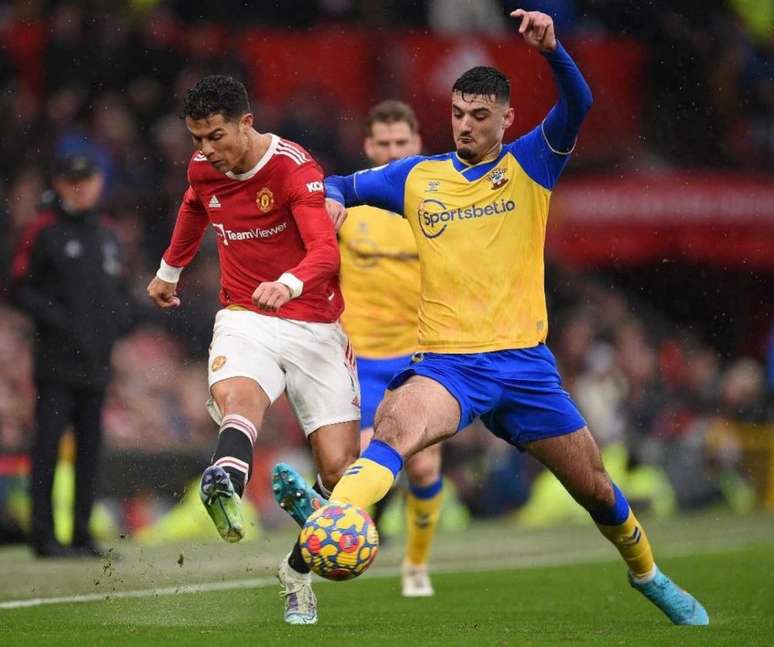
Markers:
(508, 117)
(246, 122)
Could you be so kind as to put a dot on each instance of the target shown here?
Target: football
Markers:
(339, 541)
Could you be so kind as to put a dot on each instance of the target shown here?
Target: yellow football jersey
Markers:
(480, 233)
(380, 282)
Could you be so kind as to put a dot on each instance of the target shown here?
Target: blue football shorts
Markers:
(374, 376)
(517, 393)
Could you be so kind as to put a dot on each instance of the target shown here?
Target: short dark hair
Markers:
(216, 94)
(391, 112)
(486, 81)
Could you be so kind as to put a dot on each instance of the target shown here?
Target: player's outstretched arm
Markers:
(563, 121)
(383, 186)
(321, 261)
(191, 223)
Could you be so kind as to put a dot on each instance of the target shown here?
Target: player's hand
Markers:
(537, 29)
(337, 212)
(163, 293)
(271, 296)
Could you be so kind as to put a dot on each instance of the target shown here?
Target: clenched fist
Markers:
(271, 295)
(163, 293)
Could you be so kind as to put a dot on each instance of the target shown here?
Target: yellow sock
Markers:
(422, 516)
(632, 542)
(363, 484)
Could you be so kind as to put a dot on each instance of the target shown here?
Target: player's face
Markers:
(478, 125)
(224, 142)
(389, 142)
(79, 195)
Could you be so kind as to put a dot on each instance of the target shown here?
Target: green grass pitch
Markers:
(496, 584)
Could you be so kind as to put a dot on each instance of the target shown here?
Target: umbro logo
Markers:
(214, 202)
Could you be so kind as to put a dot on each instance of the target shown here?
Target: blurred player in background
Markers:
(380, 281)
(67, 277)
(278, 330)
(479, 218)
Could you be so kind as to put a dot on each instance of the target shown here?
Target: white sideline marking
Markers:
(535, 561)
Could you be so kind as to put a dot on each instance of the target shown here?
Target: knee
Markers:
(238, 398)
(334, 467)
(390, 428)
(230, 397)
(601, 496)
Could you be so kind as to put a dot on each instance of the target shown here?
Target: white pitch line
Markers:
(525, 562)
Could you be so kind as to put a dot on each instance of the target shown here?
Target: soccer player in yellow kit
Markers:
(479, 217)
(380, 281)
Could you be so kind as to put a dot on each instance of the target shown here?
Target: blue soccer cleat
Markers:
(679, 606)
(222, 503)
(293, 493)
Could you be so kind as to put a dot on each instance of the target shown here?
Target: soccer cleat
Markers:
(415, 581)
(293, 494)
(222, 503)
(679, 606)
(300, 601)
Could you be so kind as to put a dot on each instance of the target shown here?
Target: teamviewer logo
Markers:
(221, 231)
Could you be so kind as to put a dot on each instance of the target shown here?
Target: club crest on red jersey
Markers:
(265, 199)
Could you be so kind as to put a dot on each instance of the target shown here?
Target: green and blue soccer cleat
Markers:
(222, 503)
(679, 606)
(293, 494)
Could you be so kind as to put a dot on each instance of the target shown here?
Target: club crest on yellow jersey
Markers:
(498, 178)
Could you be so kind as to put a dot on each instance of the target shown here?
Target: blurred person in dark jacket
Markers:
(66, 276)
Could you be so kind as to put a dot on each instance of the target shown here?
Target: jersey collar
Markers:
(473, 172)
(261, 162)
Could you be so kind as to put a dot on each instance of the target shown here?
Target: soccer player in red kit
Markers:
(278, 330)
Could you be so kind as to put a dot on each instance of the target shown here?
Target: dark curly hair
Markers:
(216, 94)
(486, 81)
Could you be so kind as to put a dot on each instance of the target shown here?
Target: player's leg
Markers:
(423, 510)
(576, 461)
(415, 415)
(241, 404)
(244, 378)
(378, 509)
(323, 390)
(537, 414)
(53, 410)
(87, 419)
(375, 374)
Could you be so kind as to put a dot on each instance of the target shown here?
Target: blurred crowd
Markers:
(111, 80)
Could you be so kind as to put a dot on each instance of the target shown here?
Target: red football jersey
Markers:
(269, 221)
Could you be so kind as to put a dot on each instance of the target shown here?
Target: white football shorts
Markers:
(312, 362)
